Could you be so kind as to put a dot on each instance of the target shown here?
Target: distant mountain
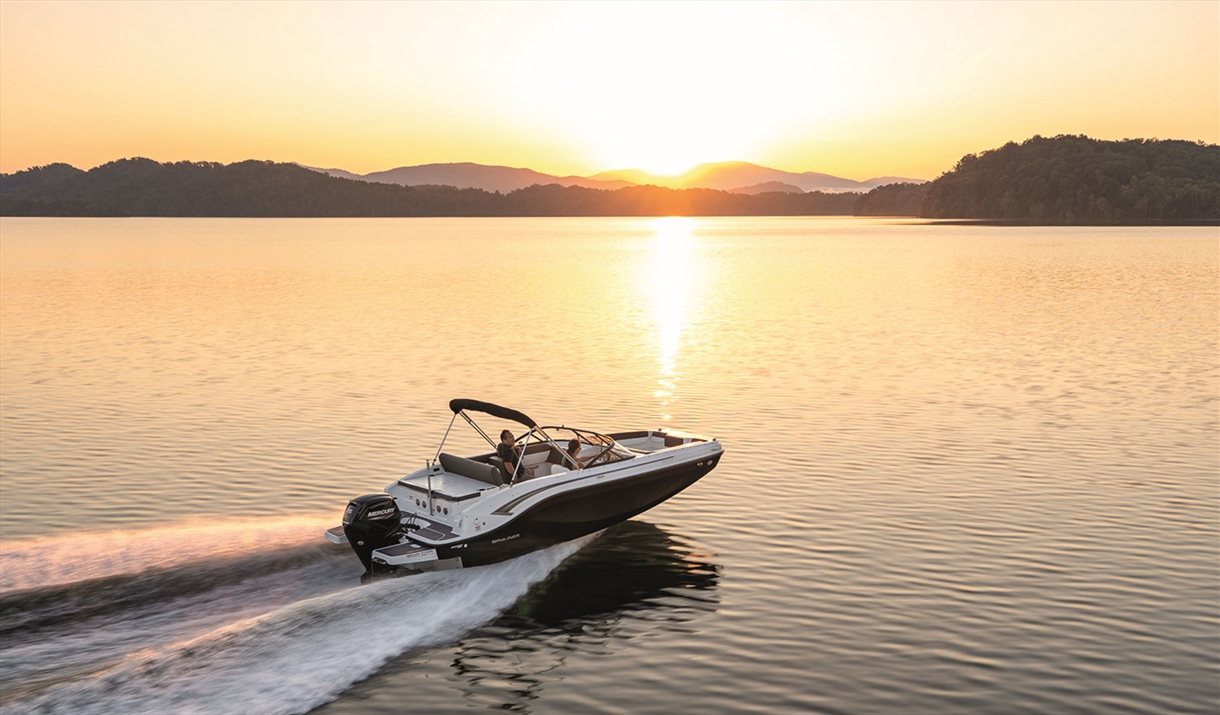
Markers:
(472, 176)
(734, 176)
(731, 175)
(767, 186)
(1060, 180)
(142, 187)
(337, 173)
(887, 180)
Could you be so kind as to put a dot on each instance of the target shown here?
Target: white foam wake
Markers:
(301, 655)
(78, 557)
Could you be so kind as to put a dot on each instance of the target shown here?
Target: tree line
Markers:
(143, 187)
(892, 200)
(1078, 180)
(1059, 180)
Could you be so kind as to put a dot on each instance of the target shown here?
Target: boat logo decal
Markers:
(505, 538)
(381, 513)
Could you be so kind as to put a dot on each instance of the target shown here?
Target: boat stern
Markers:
(335, 535)
(412, 558)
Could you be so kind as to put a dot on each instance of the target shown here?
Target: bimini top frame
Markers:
(460, 407)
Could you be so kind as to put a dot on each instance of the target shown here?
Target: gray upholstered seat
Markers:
(502, 467)
(488, 473)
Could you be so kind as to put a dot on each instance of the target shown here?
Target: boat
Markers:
(460, 512)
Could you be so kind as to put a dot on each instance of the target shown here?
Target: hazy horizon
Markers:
(851, 90)
(601, 175)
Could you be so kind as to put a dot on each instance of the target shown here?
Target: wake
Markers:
(221, 618)
(78, 557)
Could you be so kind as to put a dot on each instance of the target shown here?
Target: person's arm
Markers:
(576, 460)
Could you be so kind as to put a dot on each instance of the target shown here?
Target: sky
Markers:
(857, 90)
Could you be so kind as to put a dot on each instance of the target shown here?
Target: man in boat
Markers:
(510, 453)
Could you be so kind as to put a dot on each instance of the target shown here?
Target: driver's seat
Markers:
(508, 476)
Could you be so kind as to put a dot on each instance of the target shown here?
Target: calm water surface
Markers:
(967, 470)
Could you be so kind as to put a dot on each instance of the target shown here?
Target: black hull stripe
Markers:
(570, 515)
(506, 510)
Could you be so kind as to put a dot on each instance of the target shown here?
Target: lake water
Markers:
(968, 469)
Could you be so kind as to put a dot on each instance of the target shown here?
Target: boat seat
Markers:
(488, 473)
(501, 467)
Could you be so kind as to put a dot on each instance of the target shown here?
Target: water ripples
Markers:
(967, 469)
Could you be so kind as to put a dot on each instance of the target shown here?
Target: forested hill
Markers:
(1060, 180)
(1078, 180)
(142, 187)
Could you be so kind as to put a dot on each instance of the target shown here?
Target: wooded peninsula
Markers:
(1068, 180)
(1059, 180)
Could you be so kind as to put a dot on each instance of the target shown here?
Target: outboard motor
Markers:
(371, 522)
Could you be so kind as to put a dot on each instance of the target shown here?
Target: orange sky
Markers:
(854, 89)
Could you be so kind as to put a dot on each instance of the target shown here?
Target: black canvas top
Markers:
(494, 410)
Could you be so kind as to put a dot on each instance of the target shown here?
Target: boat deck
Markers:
(429, 531)
(448, 485)
(647, 442)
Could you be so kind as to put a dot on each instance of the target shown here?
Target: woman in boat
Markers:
(573, 451)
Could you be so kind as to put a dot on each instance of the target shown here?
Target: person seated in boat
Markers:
(511, 454)
(574, 452)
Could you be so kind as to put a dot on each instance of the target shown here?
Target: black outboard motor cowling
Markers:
(371, 522)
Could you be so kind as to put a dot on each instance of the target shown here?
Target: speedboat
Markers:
(568, 482)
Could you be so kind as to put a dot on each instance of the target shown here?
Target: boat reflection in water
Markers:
(637, 580)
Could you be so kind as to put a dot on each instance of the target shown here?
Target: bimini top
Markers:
(494, 410)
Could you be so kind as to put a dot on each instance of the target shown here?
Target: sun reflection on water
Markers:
(670, 284)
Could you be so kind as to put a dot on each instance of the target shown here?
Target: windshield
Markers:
(583, 446)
